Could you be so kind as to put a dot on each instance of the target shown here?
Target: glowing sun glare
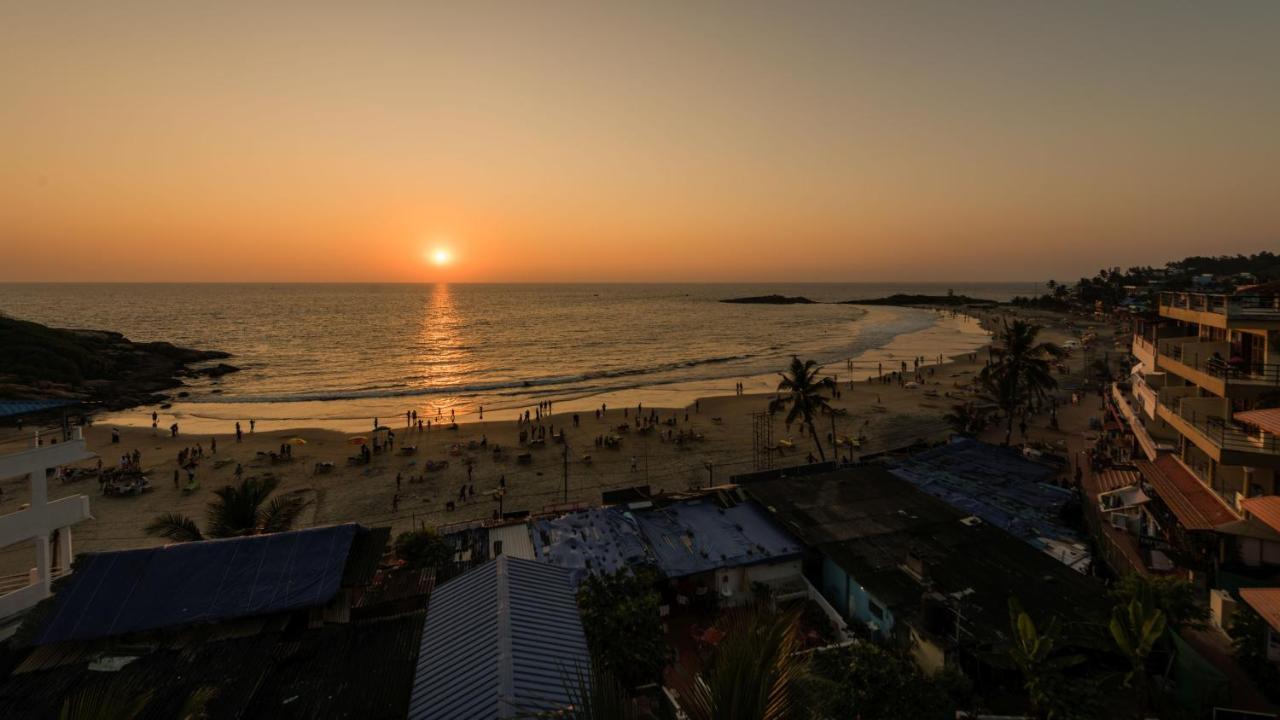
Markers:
(440, 256)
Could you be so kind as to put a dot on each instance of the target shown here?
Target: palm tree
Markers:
(753, 673)
(1020, 372)
(1136, 628)
(1035, 654)
(237, 510)
(966, 418)
(801, 388)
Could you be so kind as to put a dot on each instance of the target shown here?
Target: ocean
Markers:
(335, 355)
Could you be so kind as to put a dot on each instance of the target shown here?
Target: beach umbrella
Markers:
(296, 441)
(359, 440)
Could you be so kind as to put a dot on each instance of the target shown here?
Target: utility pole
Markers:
(710, 474)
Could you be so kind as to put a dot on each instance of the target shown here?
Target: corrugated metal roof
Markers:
(1266, 509)
(502, 640)
(1266, 602)
(1116, 478)
(515, 541)
(1268, 419)
(1194, 504)
(115, 593)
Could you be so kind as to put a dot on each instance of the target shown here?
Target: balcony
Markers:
(1203, 363)
(1202, 422)
(1218, 310)
(1151, 446)
(1145, 351)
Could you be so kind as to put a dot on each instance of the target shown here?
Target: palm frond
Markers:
(280, 514)
(176, 527)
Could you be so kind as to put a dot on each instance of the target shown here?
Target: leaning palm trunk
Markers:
(813, 433)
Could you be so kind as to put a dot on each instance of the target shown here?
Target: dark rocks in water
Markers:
(772, 300)
(944, 300)
(184, 393)
(94, 365)
(211, 372)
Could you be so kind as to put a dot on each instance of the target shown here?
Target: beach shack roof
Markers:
(695, 536)
(502, 640)
(594, 540)
(1000, 486)
(907, 547)
(128, 591)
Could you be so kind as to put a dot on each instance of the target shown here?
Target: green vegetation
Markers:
(869, 681)
(1020, 373)
(423, 548)
(754, 671)
(236, 511)
(1248, 633)
(623, 628)
(801, 389)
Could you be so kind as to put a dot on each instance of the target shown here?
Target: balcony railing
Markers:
(1216, 366)
(1260, 306)
(1222, 433)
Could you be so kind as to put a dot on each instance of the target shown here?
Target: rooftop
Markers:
(362, 670)
(1195, 505)
(1000, 486)
(1265, 602)
(875, 524)
(501, 640)
(601, 540)
(128, 591)
(695, 536)
(1266, 509)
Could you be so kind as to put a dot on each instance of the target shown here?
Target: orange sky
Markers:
(643, 142)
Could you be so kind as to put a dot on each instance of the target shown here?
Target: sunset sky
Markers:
(646, 141)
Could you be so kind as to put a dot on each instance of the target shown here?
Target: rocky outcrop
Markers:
(772, 300)
(37, 361)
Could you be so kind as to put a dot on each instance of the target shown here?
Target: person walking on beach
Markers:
(252, 424)
(239, 432)
(397, 482)
(213, 446)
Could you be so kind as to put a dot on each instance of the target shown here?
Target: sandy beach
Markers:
(884, 415)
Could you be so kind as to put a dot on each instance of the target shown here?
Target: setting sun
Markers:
(439, 256)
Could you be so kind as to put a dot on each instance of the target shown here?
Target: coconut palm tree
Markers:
(966, 418)
(237, 510)
(801, 389)
(1020, 372)
(754, 670)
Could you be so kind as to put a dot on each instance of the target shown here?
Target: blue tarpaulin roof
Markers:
(994, 483)
(502, 640)
(114, 593)
(600, 540)
(18, 408)
(699, 535)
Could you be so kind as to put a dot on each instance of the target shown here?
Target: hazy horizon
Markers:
(578, 142)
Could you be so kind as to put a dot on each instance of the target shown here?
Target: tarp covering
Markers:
(18, 408)
(599, 540)
(115, 593)
(699, 535)
(998, 485)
